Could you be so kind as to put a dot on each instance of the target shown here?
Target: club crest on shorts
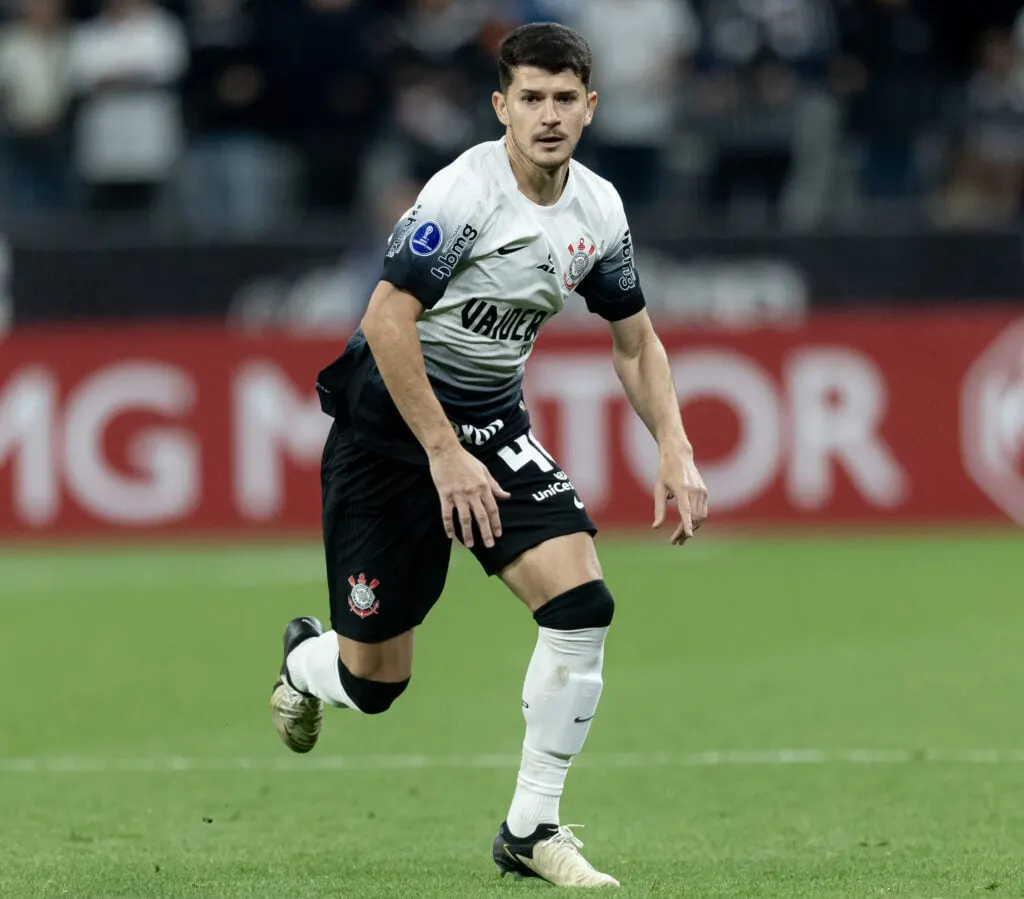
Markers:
(578, 265)
(361, 599)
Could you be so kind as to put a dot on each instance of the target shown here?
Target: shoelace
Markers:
(565, 836)
(294, 700)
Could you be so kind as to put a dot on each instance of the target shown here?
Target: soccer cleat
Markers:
(297, 716)
(551, 853)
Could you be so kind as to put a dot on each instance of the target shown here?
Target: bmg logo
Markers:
(446, 263)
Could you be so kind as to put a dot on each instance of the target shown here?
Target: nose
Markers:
(549, 115)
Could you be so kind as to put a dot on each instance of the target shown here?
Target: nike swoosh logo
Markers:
(519, 859)
(583, 720)
(506, 251)
(577, 503)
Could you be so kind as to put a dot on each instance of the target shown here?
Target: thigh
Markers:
(543, 504)
(551, 568)
(386, 551)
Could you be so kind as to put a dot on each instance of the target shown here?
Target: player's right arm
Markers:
(464, 485)
(431, 243)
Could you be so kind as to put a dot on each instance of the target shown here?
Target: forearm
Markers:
(395, 343)
(647, 380)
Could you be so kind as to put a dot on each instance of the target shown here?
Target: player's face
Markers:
(545, 114)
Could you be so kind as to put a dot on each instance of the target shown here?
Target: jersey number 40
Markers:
(529, 451)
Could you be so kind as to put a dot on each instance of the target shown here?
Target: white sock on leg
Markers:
(313, 668)
(560, 696)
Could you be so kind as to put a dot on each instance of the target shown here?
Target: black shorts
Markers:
(387, 552)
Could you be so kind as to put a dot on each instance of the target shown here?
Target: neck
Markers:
(541, 186)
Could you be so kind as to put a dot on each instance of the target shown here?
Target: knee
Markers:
(589, 605)
(371, 697)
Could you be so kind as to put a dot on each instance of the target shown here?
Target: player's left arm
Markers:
(612, 290)
(643, 368)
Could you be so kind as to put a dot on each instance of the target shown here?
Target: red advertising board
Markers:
(881, 418)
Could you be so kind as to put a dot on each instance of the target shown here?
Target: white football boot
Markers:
(551, 853)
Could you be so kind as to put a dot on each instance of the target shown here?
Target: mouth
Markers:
(551, 140)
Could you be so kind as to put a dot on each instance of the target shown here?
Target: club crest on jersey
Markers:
(580, 252)
(362, 600)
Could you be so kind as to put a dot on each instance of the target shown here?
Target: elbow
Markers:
(624, 355)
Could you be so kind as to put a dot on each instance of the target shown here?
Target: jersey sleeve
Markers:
(434, 239)
(612, 289)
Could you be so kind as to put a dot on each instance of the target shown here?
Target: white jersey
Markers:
(490, 267)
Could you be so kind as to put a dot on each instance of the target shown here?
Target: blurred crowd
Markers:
(237, 118)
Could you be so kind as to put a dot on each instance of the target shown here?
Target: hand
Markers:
(678, 477)
(467, 489)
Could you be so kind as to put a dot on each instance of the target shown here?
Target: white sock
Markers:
(313, 668)
(560, 696)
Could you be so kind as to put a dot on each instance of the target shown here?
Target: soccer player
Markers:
(431, 438)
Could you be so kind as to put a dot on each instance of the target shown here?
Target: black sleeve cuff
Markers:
(427, 289)
(618, 309)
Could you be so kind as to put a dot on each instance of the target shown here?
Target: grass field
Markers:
(829, 717)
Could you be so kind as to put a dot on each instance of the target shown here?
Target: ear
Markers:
(591, 106)
(500, 105)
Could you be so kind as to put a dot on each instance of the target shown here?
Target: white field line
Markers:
(707, 759)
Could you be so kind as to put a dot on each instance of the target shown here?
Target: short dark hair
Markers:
(544, 45)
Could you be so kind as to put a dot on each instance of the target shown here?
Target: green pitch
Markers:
(786, 717)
